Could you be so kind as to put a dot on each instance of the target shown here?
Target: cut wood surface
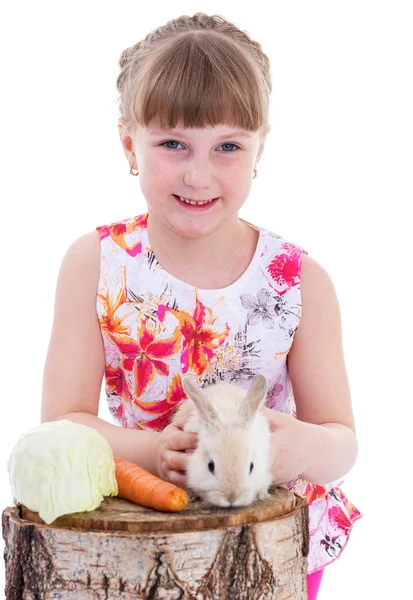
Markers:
(123, 550)
(115, 514)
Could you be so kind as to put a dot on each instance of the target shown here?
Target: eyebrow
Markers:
(220, 137)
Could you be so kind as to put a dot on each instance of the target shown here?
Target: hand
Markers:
(171, 460)
(290, 446)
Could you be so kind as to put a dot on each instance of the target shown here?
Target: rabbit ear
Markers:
(254, 399)
(205, 409)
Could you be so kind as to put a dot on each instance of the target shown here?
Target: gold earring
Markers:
(255, 173)
(132, 173)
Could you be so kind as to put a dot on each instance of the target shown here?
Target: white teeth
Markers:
(193, 201)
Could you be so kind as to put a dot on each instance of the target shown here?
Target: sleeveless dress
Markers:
(156, 328)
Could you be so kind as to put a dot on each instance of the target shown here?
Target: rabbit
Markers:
(231, 464)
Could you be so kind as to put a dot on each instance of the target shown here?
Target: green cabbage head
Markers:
(61, 467)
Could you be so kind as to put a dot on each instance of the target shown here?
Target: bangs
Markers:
(200, 79)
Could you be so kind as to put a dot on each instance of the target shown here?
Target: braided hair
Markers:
(200, 70)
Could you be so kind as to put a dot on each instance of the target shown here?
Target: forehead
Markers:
(221, 130)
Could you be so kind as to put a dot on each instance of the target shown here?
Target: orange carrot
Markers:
(140, 486)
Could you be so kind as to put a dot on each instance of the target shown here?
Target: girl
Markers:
(189, 287)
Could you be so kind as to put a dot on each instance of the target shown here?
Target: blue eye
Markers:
(229, 144)
(179, 143)
(170, 142)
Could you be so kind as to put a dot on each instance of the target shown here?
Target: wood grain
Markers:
(124, 551)
(116, 514)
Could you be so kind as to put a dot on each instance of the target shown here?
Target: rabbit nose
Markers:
(231, 496)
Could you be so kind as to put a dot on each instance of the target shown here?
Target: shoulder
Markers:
(316, 284)
(281, 244)
(85, 249)
(319, 329)
(282, 259)
(81, 264)
(124, 226)
(125, 236)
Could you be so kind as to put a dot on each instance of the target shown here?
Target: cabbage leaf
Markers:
(61, 467)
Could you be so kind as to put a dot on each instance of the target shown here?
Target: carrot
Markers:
(142, 487)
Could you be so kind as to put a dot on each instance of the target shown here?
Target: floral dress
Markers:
(156, 328)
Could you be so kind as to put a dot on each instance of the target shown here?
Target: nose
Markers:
(198, 175)
(231, 496)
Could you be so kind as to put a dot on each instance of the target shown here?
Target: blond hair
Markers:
(201, 70)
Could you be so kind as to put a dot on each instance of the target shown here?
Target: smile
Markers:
(197, 202)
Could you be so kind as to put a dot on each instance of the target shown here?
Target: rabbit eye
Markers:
(251, 467)
(211, 466)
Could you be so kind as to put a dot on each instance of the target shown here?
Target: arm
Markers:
(319, 379)
(75, 361)
(333, 452)
(319, 453)
(321, 444)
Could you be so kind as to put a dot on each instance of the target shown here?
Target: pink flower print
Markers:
(120, 230)
(285, 268)
(163, 409)
(273, 394)
(288, 247)
(315, 491)
(116, 382)
(352, 511)
(143, 355)
(339, 520)
(200, 340)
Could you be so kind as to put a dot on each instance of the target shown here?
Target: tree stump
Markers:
(125, 551)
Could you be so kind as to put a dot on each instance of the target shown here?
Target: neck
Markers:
(229, 249)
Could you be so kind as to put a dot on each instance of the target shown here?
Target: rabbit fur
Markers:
(231, 464)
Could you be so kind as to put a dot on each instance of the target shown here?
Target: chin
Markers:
(217, 498)
(246, 499)
(192, 228)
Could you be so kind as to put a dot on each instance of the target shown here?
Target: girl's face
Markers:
(214, 163)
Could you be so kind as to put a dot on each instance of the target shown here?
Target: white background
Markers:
(335, 177)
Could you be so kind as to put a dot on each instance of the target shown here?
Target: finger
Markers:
(274, 417)
(182, 440)
(178, 478)
(176, 461)
(190, 442)
(179, 421)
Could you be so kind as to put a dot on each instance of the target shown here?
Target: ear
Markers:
(205, 409)
(253, 400)
(125, 138)
(263, 137)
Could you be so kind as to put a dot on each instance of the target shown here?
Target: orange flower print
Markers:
(116, 382)
(118, 231)
(353, 512)
(315, 491)
(109, 323)
(285, 268)
(199, 340)
(163, 409)
(142, 355)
